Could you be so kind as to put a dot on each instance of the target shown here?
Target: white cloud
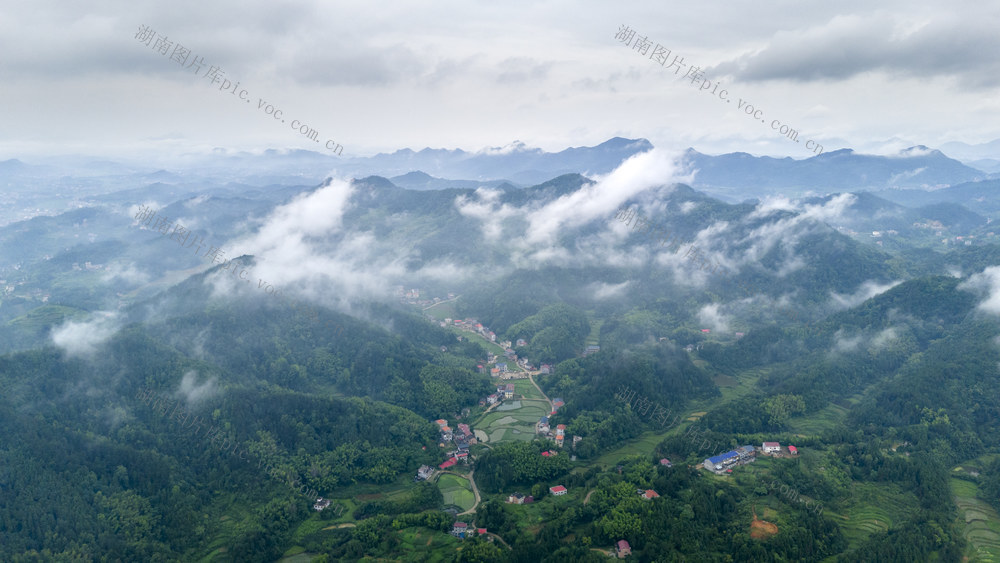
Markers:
(125, 272)
(985, 283)
(538, 67)
(843, 343)
(637, 174)
(83, 338)
(771, 205)
(487, 210)
(602, 291)
(532, 232)
(194, 392)
(864, 340)
(710, 316)
(865, 291)
(884, 338)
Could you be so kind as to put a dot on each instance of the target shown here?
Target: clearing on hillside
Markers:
(760, 529)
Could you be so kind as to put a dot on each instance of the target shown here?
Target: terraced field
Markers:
(981, 522)
(876, 508)
(815, 423)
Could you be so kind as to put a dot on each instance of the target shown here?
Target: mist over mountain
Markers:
(323, 329)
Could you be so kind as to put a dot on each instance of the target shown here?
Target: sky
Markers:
(473, 75)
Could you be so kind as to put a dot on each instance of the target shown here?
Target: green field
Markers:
(457, 491)
(643, 445)
(46, 316)
(981, 523)
(594, 338)
(524, 387)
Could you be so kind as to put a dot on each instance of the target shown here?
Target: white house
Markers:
(771, 447)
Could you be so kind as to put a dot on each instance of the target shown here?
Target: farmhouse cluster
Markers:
(724, 463)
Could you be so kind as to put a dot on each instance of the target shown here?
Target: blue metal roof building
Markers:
(717, 460)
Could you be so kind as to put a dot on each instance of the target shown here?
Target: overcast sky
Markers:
(377, 77)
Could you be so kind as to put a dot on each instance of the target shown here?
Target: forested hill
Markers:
(165, 406)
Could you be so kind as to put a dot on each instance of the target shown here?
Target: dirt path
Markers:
(549, 401)
(347, 525)
(475, 491)
(440, 302)
(501, 540)
(587, 498)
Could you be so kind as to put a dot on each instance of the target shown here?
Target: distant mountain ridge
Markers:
(734, 175)
(915, 167)
(515, 162)
(418, 180)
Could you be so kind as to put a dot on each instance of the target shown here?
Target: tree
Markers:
(781, 407)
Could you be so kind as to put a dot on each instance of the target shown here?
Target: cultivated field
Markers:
(514, 424)
(456, 490)
(981, 522)
(876, 508)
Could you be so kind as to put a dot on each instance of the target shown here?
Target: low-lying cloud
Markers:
(865, 291)
(84, 338)
(192, 391)
(986, 284)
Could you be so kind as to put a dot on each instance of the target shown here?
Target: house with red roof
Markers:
(793, 450)
(557, 490)
(665, 462)
(623, 548)
(650, 494)
(448, 463)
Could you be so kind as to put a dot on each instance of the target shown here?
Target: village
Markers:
(520, 410)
